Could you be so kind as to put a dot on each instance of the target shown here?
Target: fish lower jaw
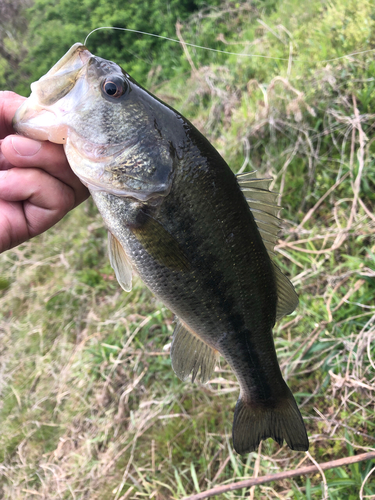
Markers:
(40, 127)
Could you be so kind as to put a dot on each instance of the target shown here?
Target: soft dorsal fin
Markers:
(191, 355)
(265, 209)
(120, 262)
(287, 299)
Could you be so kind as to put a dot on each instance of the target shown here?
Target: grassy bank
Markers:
(90, 406)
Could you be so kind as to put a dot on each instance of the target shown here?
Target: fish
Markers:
(200, 237)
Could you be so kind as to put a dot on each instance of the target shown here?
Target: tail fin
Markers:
(256, 421)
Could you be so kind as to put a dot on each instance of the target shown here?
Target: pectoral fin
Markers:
(160, 244)
(191, 355)
(120, 262)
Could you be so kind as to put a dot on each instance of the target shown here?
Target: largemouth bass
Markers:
(200, 237)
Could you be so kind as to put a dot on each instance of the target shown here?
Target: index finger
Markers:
(9, 102)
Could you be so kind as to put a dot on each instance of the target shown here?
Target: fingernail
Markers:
(25, 147)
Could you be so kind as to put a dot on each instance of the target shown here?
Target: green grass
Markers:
(90, 407)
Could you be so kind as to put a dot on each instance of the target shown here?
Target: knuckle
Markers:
(64, 200)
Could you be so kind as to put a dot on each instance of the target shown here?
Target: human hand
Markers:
(37, 185)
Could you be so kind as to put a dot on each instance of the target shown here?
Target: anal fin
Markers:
(120, 262)
(190, 355)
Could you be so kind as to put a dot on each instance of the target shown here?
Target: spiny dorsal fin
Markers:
(191, 355)
(120, 262)
(265, 209)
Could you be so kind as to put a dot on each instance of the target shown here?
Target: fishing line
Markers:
(218, 50)
(184, 43)
(348, 55)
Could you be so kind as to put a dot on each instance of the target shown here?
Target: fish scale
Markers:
(199, 237)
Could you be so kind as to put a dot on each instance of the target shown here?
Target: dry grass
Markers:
(90, 407)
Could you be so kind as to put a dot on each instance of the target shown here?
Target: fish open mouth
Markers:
(76, 57)
(40, 116)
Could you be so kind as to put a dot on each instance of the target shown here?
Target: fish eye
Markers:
(114, 87)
